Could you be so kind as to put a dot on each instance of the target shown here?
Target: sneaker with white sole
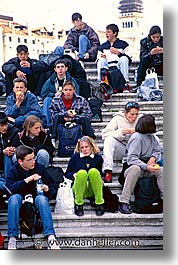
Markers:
(12, 244)
(53, 244)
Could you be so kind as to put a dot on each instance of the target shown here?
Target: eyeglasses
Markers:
(132, 104)
(60, 66)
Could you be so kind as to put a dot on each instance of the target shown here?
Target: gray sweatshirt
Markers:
(141, 147)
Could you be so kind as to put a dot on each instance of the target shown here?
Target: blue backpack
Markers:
(68, 136)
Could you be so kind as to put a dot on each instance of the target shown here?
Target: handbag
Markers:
(65, 198)
(151, 78)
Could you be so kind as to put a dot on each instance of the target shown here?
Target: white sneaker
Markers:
(53, 141)
(53, 244)
(12, 244)
(82, 64)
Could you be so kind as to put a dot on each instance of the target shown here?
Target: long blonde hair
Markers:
(90, 141)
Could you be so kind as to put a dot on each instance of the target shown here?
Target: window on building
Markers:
(33, 41)
(18, 40)
(25, 40)
(10, 38)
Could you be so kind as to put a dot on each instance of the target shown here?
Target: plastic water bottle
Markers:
(39, 184)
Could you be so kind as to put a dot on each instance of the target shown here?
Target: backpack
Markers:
(68, 136)
(57, 176)
(30, 221)
(49, 58)
(147, 93)
(149, 88)
(110, 200)
(114, 78)
(95, 106)
(147, 196)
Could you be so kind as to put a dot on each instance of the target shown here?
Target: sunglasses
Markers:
(132, 104)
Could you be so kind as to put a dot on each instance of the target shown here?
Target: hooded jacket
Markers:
(117, 123)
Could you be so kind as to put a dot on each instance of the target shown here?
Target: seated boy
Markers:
(70, 107)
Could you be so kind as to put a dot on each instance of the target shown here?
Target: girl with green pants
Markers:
(84, 168)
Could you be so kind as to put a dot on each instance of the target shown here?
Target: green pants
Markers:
(88, 184)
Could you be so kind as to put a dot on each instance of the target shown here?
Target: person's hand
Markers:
(151, 168)
(86, 56)
(114, 50)
(45, 187)
(156, 50)
(11, 119)
(9, 151)
(25, 64)
(67, 119)
(103, 55)
(71, 113)
(20, 74)
(127, 131)
(32, 177)
(20, 99)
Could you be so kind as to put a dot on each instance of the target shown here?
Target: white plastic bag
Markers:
(151, 75)
(65, 198)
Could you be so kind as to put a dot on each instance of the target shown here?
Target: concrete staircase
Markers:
(112, 230)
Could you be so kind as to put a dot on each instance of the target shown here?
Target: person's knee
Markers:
(42, 153)
(133, 170)
(109, 140)
(41, 200)
(123, 59)
(81, 174)
(15, 199)
(93, 172)
(83, 37)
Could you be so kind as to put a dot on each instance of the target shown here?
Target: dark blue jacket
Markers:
(16, 175)
(76, 163)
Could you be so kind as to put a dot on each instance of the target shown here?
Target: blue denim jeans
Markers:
(41, 202)
(8, 162)
(84, 46)
(43, 157)
(46, 112)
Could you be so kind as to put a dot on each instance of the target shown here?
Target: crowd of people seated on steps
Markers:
(33, 149)
(64, 91)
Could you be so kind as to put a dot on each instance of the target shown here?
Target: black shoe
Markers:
(134, 90)
(99, 209)
(79, 210)
(124, 208)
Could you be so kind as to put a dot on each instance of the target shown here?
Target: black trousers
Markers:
(146, 63)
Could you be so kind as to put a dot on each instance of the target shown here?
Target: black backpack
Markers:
(57, 176)
(114, 78)
(147, 196)
(95, 106)
(68, 136)
(110, 200)
(30, 221)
